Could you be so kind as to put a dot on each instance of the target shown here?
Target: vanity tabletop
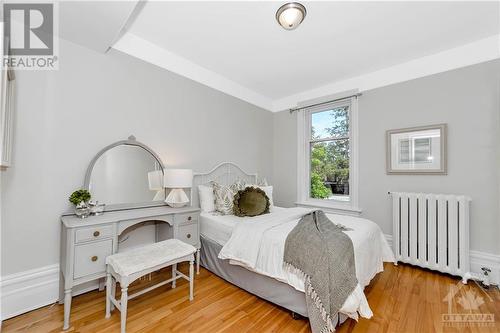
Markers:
(72, 221)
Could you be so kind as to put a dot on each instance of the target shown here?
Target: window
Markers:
(329, 154)
(326, 156)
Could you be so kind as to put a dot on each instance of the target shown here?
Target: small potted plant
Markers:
(80, 199)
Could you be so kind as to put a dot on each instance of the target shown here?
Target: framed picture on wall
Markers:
(417, 150)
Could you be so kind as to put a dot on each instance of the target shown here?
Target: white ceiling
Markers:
(93, 24)
(240, 43)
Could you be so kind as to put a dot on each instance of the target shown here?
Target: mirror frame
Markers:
(131, 141)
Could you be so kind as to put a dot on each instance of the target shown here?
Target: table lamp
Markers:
(177, 180)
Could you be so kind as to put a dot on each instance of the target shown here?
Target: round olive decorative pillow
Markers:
(251, 201)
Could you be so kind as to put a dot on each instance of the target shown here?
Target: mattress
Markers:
(218, 228)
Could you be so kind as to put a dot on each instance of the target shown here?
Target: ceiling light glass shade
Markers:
(291, 15)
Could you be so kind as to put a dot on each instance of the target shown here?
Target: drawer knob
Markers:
(96, 233)
(94, 258)
(188, 235)
(189, 218)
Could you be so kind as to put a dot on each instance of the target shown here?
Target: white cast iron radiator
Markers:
(432, 231)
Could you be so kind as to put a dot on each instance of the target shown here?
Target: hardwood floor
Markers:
(403, 299)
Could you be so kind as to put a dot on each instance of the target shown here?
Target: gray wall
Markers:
(64, 117)
(467, 100)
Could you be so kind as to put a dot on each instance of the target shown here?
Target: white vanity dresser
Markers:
(85, 243)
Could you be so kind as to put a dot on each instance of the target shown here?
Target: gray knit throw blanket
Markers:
(318, 250)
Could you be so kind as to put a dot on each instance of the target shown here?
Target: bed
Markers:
(229, 250)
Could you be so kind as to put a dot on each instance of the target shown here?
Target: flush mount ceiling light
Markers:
(291, 15)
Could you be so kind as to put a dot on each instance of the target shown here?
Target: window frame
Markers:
(305, 140)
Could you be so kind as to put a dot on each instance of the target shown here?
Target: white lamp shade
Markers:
(155, 179)
(178, 178)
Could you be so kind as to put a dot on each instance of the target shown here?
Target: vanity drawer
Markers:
(186, 218)
(93, 233)
(91, 258)
(189, 234)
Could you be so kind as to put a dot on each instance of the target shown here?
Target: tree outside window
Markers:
(329, 154)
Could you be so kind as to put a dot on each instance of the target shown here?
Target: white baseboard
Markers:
(478, 260)
(29, 290)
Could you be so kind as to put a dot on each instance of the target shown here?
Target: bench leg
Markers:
(174, 274)
(108, 295)
(191, 279)
(123, 306)
(113, 293)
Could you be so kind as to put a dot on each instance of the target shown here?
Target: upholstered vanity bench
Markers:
(126, 267)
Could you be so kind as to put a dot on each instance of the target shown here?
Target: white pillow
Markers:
(207, 198)
(269, 192)
(224, 196)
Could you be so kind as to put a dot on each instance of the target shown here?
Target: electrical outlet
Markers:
(486, 278)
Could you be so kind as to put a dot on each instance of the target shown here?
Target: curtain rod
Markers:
(330, 101)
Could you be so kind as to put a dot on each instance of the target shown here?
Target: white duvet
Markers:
(258, 244)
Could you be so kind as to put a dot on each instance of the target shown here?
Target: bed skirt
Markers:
(262, 286)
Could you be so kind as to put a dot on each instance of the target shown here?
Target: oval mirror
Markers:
(126, 174)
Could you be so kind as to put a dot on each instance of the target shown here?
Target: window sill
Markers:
(331, 207)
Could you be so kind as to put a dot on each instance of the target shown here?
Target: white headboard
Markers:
(225, 173)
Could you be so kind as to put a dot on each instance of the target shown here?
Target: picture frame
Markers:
(417, 150)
